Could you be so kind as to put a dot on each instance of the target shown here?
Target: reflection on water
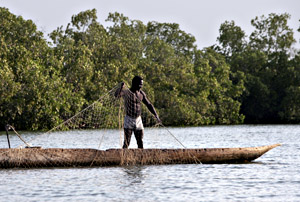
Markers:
(134, 174)
(273, 177)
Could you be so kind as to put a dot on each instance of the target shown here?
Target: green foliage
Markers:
(42, 84)
(33, 93)
(232, 38)
(269, 68)
(272, 34)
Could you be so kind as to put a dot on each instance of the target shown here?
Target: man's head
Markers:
(137, 83)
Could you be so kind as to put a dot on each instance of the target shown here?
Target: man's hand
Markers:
(119, 90)
(158, 120)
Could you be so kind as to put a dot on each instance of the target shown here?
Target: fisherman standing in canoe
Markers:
(133, 98)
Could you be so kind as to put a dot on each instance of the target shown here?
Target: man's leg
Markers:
(139, 134)
(127, 137)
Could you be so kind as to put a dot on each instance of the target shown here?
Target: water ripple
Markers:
(273, 177)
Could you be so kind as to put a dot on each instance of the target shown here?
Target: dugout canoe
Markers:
(57, 157)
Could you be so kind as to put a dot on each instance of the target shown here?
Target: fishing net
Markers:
(102, 118)
(94, 132)
(94, 129)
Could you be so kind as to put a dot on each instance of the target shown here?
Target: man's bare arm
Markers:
(150, 107)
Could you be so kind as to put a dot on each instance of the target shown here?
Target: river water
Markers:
(273, 177)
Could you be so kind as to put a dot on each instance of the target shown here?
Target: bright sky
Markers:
(200, 18)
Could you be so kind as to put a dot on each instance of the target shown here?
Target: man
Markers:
(133, 99)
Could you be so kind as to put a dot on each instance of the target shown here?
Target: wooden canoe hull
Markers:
(57, 157)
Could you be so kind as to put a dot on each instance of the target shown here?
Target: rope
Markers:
(101, 140)
(172, 135)
(78, 113)
(19, 136)
(73, 117)
(75, 122)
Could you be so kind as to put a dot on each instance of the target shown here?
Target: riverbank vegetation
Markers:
(241, 79)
